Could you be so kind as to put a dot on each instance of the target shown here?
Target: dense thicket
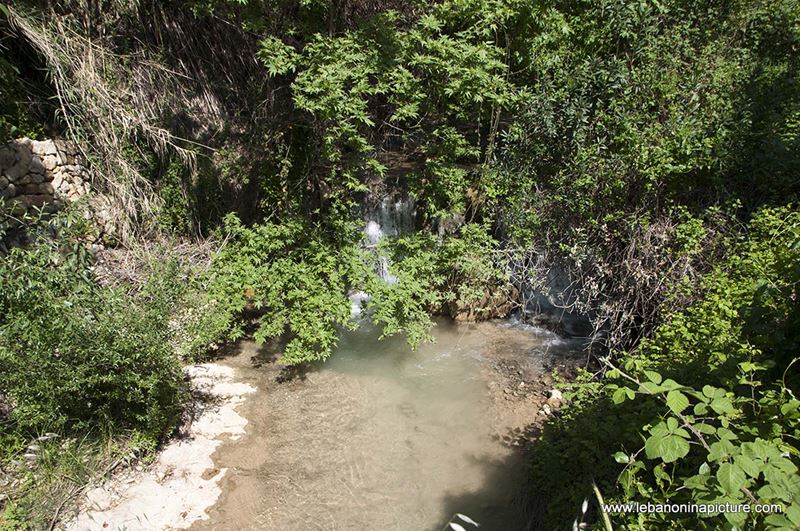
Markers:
(647, 152)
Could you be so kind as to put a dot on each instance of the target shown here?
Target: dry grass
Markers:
(107, 102)
(40, 486)
(626, 286)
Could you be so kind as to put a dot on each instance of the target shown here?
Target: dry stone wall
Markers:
(41, 173)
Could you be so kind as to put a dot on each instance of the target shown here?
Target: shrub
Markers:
(429, 274)
(705, 412)
(76, 356)
(292, 278)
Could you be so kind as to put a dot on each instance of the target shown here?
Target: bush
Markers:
(430, 274)
(705, 412)
(75, 356)
(289, 279)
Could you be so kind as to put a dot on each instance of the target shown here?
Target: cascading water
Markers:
(390, 217)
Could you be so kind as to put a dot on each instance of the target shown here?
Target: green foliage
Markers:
(630, 108)
(705, 412)
(428, 84)
(75, 356)
(279, 58)
(176, 214)
(632, 141)
(15, 118)
(54, 465)
(429, 275)
(292, 278)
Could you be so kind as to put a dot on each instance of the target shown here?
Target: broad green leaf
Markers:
(750, 467)
(668, 448)
(722, 406)
(731, 477)
(720, 450)
(670, 384)
(713, 392)
(619, 396)
(790, 407)
(672, 424)
(737, 519)
(779, 521)
(705, 429)
(726, 435)
(653, 377)
(793, 513)
(650, 388)
(677, 401)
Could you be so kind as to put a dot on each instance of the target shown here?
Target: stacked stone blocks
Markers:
(41, 173)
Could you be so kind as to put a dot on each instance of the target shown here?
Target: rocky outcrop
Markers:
(41, 173)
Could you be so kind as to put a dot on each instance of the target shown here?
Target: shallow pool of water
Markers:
(382, 437)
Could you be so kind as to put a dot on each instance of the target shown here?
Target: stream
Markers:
(382, 437)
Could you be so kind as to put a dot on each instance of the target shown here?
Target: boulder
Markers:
(36, 165)
(43, 147)
(7, 157)
(495, 304)
(18, 170)
(50, 162)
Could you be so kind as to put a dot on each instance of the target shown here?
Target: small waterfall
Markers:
(390, 217)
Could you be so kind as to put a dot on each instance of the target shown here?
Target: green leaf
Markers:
(793, 513)
(705, 429)
(619, 396)
(653, 377)
(669, 448)
(713, 392)
(737, 519)
(622, 457)
(650, 388)
(677, 401)
(790, 407)
(750, 467)
(726, 435)
(720, 450)
(778, 521)
(670, 384)
(731, 477)
(755, 449)
(672, 424)
(722, 406)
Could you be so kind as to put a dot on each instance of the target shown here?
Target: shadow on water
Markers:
(508, 475)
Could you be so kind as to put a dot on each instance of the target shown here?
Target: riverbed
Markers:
(383, 437)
